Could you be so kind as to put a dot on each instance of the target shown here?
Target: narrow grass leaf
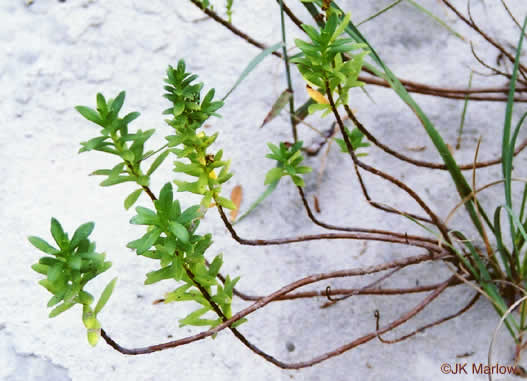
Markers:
(379, 12)
(436, 19)
(464, 113)
(252, 65)
(502, 249)
(270, 189)
(278, 105)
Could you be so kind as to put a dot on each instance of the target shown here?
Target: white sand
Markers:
(58, 55)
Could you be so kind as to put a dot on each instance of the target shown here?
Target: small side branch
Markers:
(377, 316)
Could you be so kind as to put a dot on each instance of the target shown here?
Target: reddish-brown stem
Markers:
(371, 285)
(491, 68)
(511, 15)
(345, 291)
(489, 39)
(315, 220)
(213, 15)
(357, 163)
(445, 92)
(421, 163)
(264, 301)
(425, 327)
(411, 86)
(354, 236)
(149, 192)
(224, 318)
(214, 306)
(338, 291)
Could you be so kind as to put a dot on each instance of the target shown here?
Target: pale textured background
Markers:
(58, 55)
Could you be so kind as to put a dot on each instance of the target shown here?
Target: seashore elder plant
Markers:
(333, 57)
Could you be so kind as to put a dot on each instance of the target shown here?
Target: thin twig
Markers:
(368, 286)
(357, 163)
(262, 302)
(411, 86)
(316, 221)
(421, 163)
(489, 39)
(377, 316)
(313, 237)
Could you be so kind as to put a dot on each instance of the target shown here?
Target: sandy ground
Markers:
(57, 55)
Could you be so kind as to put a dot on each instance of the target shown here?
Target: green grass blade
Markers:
(252, 65)
(460, 256)
(464, 113)
(436, 19)
(507, 144)
(524, 198)
(482, 274)
(270, 189)
(288, 73)
(517, 228)
(390, 6)
(487, 284)
(502, 249)
(516, 132)
(303, 111)
(501, 307)
(507, 149)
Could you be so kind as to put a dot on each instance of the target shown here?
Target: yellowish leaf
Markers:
(236, 197)
(316, 95)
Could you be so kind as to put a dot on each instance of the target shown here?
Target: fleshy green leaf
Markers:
(175, 295)
(145, 242)
(75, 263)
(158, 275)
(273, 175)
(157, 162)
(58, 233)
(215, 266)
(81, 233)
(105, 296)
(164, 204)
(93, 336)
(112, 180)
(42, 245)
(60, 309)
(40, 268)
(179, 231)
(144, 216)
(118, 102)
(191, 318)
(189, 214)
(226, 203)
(90, 114)
(132, 198)
(131, 116)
